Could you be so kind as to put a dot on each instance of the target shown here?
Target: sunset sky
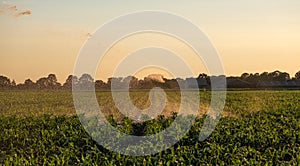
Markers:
(41, 37)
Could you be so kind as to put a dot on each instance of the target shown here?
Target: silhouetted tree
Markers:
(114, 82)
(264, 76)
(52, 81)
(49, 82)
(99, 84)
(28, 83)
(42, 83)
(145, 84)
(4, 82)
(253, 78)
(129, 81)
(134, 82)
(171, 84)
(202, 75)
(284, 76)
(86, 82)
(245, 76)
(86, 78)
(278, 76)
(297, 75)
(13, 83)
(69, 81)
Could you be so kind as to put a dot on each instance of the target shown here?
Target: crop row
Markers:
(269, 137)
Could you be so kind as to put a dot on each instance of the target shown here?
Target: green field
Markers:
(257, 127)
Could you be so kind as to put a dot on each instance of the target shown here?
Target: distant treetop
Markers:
(246, 80)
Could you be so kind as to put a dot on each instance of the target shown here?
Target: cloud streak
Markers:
(8, 9)
(24, 13)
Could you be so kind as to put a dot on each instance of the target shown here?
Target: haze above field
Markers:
(42, 37)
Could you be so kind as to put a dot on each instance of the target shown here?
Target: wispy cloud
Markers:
(12, 10)
(24, 13)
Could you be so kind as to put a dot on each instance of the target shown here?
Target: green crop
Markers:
(257, 128)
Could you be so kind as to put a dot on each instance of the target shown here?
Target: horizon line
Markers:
(140, 78)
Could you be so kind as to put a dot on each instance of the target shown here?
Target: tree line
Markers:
(274, 79)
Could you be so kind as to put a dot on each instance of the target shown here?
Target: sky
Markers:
(42, 37)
